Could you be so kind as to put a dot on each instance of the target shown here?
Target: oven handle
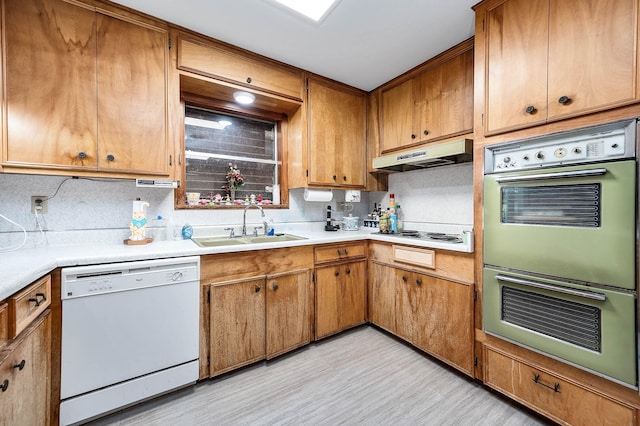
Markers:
(586, 294)
(555, 175)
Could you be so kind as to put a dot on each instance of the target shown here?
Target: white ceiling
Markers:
(363, 43)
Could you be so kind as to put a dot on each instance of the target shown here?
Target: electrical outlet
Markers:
(39, 203)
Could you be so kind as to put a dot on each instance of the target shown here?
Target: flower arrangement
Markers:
(234, 179)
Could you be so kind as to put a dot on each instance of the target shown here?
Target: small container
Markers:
(350, 223)
(193, 198)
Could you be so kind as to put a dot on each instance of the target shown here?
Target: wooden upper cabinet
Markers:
(132, 97)
(336, 135)
(50, 80)
(435, 103)
(222, 62)
(85, 92)
(551, 59)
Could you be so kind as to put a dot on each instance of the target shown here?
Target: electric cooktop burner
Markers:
(434, 236)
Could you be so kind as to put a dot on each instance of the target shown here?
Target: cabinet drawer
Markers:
(339, 252)
(218, 62)
(561, 400)
(26, 305)
(415, 256)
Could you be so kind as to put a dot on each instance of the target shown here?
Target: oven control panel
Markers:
(561, 150)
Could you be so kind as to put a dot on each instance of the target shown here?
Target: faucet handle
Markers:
(232, 233)
(255, 230)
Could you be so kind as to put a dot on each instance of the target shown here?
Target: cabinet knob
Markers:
(419, 281)
(564, 100)
(413, 136)
(111, 157)
(20, 365)
(404, 278)
(426, 132)
(348, 271)
(344, 178)
(82, 155)
(334, 177)
(530, 109)
(275, 286)
(5, 385)
(336, 273)
(249, 80)
(257, 289)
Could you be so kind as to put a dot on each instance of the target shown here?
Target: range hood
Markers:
(432, 155)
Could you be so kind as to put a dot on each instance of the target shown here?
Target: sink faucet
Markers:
(244, 218)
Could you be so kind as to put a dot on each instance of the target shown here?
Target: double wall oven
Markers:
(560, 226)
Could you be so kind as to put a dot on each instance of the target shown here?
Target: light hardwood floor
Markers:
(360, 377)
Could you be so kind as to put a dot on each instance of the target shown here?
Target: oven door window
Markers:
(553, 205)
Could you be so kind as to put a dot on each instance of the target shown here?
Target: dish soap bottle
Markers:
(393, 219)
(399, 219)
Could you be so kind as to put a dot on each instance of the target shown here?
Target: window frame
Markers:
(225, 107)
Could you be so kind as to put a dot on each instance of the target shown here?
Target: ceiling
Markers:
(363, 43)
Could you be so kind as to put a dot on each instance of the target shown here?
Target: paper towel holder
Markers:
(319, 195)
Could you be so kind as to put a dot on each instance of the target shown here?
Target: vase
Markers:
(232, 194)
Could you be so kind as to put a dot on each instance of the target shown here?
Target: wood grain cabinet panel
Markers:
(559, 399)
(26, 305)
(237, 323)
(340, 297)
(548, 60)
(435, 103)
(336, 136)
(382, 296)
(218, 61)
(25, 376)
(85, 91)
(288, 311)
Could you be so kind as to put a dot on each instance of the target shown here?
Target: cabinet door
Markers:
(592, 55)
(236, 323)
(397, 117)
(336, 136)
(288, 319)
(25, 372)
(443, 320)
(382, 296)
(132, 97)
(446, 108)
(517, 40)
(411, 304)
(50, 83)
(340, 297)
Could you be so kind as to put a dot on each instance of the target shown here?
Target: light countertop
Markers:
(21, 267)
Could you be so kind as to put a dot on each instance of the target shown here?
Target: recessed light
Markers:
(244, 98)
(315, 10)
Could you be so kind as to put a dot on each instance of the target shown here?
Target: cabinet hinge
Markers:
(169, 43)
(313, 277)
(482, 121)
(307, 172)
(475, 360)
(313, 328)
(208, 359)
(475, 295)
(209, 296)
(170, 160)
(483, 25)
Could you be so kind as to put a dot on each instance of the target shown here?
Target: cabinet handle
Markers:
(5, 385)
(249, 80)
(20, 366)
(426, 132)
(82, 155)
(336, 273)
(555, 387)
(348, 271)
(413, 136)
(341, 252)
(111, 157)
(419, 281)
(257, 289)
(275, 286)
(40, 297)
(564, 100)
(530, 109)
(404, 278)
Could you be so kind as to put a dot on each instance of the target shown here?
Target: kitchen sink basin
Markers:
(227, 241)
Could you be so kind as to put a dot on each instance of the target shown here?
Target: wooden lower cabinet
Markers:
(432, 313)
(340, 297)
(25, 376)
(564, 401)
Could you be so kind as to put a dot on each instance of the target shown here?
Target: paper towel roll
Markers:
(322, 195)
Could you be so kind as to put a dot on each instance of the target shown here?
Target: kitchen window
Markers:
(216, 144)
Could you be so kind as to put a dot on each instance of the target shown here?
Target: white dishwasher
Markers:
(130, 331)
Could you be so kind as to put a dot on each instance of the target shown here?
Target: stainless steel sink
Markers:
(227, 241)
